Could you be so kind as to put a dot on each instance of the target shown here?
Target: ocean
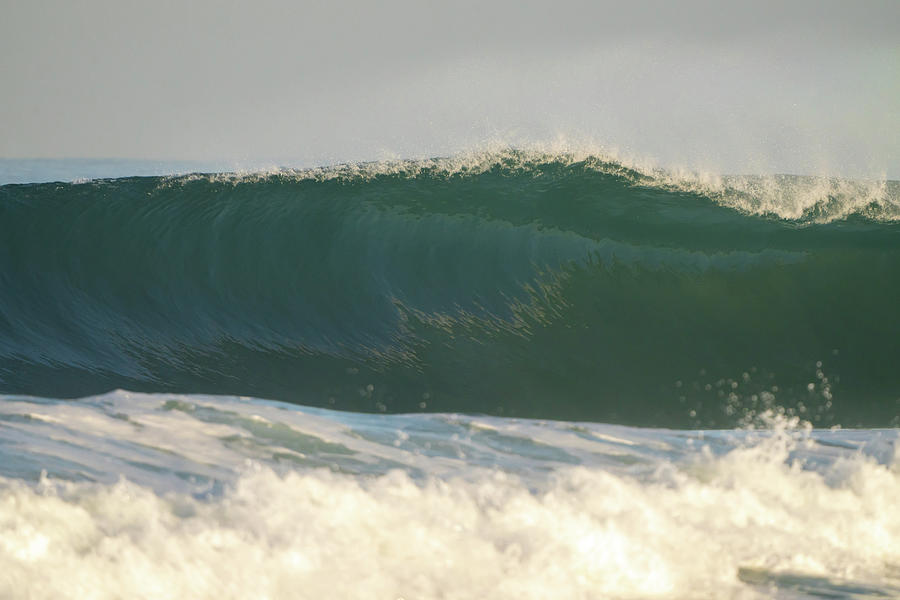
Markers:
(500, 374)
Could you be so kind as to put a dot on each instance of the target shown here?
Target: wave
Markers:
(558, 286)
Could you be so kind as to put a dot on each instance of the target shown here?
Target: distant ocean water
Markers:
(500, 374)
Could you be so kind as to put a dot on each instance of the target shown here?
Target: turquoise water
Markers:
(506, 375)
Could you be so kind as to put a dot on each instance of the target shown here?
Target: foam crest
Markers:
(808, 199)
(479, 160)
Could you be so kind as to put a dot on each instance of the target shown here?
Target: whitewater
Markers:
(158, 496)
(503, 374)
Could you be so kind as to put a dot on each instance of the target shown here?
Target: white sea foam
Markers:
(219, 503)
(588, 534)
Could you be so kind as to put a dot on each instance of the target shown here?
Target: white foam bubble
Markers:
(435, 506)
(588, 533)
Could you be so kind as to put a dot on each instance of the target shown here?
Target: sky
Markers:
(802, 87)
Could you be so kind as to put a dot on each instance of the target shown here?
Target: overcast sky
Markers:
(804, 86)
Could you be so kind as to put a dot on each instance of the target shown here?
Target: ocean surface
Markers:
(504, 374)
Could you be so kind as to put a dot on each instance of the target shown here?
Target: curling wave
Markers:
(552, 286)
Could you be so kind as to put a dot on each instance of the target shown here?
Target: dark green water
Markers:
(544, 288)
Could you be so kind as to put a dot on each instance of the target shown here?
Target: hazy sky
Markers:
(803, 86)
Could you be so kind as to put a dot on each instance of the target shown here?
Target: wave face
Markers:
(535, 286)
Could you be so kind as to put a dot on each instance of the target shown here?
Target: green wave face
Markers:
(549, 288)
